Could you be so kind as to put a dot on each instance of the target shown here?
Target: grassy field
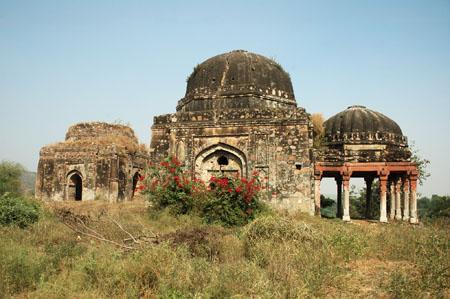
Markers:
(96, 250)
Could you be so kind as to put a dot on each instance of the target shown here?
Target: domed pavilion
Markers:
(359, 142)
(239, 115)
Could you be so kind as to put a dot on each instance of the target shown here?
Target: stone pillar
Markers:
(317, 196)
(392, 200)
(339, 211)
(383, 191)
(368, 181)
(398, 199)
(113, 180)
(413, 201)
(346, 210)
(406, 199)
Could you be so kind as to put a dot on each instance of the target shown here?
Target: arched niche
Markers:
(74, 186)
(220, 160)
(136, 178)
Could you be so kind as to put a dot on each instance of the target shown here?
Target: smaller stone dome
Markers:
(101, 133)
(94, 130)
(358, 124)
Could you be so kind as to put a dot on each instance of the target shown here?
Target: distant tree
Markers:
(327, 207)
(10, 177)
(318, 128)
(422, 163)
(434, 207)
(358, 202)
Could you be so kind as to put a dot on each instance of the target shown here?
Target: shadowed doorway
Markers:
(75, 187)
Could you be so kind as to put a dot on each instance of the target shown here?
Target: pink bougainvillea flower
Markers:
(223, 182)
(175, 161)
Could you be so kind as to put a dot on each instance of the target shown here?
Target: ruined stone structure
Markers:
(97, 160)
(239, 115)
(359, 142)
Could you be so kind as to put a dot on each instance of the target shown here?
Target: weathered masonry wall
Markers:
(276, 143)
(99, 159)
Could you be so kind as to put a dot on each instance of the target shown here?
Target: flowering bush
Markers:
(233, 200)
(167, 185)
(226, 200)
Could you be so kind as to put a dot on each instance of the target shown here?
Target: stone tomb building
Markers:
(239, 115)
(97, 160)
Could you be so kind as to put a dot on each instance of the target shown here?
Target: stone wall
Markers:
(276, 143)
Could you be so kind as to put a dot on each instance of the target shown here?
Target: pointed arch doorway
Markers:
(74, 186)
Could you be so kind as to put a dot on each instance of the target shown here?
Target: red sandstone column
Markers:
(346, 183)
(317, 195)
(406, 199)
(398, 199)
(413, 201)
(392, 199)
(383, 190)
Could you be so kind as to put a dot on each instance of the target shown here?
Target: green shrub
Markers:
(15, 210)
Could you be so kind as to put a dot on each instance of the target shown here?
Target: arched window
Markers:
(220, 160)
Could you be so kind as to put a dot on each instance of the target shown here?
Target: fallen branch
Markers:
(99, 238)
(125, 231)
(88, 228)
(79, 224)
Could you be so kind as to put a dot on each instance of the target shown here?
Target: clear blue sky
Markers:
(62, 62)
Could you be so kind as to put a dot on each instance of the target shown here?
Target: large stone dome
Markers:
(236, 80)
(358, 124)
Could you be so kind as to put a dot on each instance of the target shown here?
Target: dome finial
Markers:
(356, 107)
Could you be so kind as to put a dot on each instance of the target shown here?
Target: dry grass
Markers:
(278, 256)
